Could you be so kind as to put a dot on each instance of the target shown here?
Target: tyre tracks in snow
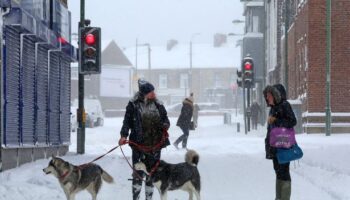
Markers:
(324, 178)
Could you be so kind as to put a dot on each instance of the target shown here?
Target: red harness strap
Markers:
(148, 149)
(154, 169)
(64, 175)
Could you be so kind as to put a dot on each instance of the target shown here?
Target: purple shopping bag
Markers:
(281, 137)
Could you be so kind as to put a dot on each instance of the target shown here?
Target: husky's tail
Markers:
(192, 157)
(106, 177)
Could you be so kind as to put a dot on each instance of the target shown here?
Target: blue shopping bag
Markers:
(287, 155)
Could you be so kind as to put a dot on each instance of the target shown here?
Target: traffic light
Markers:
(90, 50)
(248, 72)
(239, 78)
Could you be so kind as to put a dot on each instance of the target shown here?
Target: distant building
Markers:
(253, 44)
(213, 70)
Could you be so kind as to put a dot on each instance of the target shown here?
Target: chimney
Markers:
(219, 39)
(171, 44)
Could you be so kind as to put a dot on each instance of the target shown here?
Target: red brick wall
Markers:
(340, 76)
(309, 30)
(298, 54)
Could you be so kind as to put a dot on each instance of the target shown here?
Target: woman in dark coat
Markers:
(280, 115)
(146, 118)
(184, 122)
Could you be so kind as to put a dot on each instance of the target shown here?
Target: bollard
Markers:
(238, 127)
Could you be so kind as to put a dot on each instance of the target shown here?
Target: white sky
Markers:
(156, 21)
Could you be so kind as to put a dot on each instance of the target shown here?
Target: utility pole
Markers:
(136, 59)
(191, 66)
(328, 67)
(191, 56)
(81, 110)
(149, 63)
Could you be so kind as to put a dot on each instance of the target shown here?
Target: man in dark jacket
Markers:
(280, 115)
(184, 121)
(255, 111)
(147, 119)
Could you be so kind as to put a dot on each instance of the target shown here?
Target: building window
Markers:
(183, 80)
(163, 81)
(255, 24)
(217, 81)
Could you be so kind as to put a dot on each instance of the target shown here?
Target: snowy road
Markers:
(232, 166)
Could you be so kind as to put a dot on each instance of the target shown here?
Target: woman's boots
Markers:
(283, 190)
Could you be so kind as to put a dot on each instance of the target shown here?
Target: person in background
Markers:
(184, 121)
(147, 121)
(280, 115)
(256, 112)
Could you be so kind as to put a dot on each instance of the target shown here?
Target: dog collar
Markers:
(64, 175)
(155, 167)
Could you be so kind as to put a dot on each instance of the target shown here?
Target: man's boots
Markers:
(286, 189)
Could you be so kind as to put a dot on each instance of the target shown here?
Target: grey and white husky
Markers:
(167, 177)
(74, 179)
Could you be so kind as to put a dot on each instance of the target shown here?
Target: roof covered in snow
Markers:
(203, 56)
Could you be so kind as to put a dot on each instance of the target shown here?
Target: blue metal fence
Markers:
(11, 86)
(27, 88)
(65, 99)
(35, 84)
(41, 101)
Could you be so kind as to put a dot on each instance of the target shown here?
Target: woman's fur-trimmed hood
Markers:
(275, 93)
(188, 101)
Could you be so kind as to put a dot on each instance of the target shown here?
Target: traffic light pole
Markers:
(81, 111)
(244, 109)
(248, 108)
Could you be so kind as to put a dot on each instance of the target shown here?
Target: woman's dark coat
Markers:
(283, 113)
(185, 117)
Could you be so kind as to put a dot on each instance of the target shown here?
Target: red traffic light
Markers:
(90, 39)
(248, 66)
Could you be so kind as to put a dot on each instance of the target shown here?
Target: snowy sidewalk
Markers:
(232, 166)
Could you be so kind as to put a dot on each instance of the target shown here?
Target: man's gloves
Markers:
(122, 141)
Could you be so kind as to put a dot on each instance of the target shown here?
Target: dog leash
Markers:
(155, 167)
(98, 158)
(133, 169)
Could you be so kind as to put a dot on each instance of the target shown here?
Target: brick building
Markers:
(307, 62)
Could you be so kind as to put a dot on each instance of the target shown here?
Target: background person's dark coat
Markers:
(184, 120)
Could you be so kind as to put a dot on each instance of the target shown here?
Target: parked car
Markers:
(73, 119)
(203, 107)
(94, 113)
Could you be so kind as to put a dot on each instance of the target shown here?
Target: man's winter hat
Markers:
(145, 87)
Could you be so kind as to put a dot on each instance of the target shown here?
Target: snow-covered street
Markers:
(232, 166)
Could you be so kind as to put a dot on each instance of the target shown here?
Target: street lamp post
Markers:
(190, 72)
(149, 76)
